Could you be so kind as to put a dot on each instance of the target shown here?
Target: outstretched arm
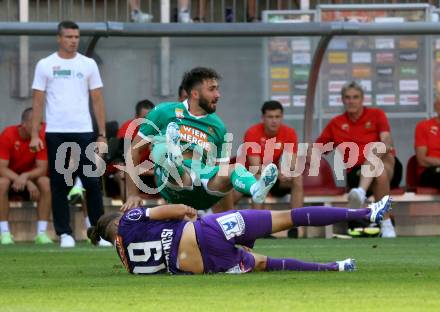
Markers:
(133, 198)
(99, 111)
(177, 212)
(38, 98)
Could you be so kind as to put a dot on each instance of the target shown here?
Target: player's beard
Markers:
(204, 103)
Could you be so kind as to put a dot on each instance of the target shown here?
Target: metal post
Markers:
(211, 8)
(256, 9)
(313, 81)
(91, 45)
(244, 10)
(165, 52)
(105, 10)
(116, 10)
(38, 10)
(305, 5)
(23, 58)
(127, 12)
(23, 11)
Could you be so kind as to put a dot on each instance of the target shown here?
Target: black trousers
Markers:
(430, 177)
(59, 187)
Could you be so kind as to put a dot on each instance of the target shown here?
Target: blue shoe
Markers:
(347, 265)
(174, 152)
(268, 178)
(378, 209)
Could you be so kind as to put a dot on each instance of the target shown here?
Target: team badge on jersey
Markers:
(368, 125)
(232, 224)
(345, 127)
(434, 130)
(179, 112)
(134, 214)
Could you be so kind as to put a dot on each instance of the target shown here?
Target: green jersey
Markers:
(206, 132)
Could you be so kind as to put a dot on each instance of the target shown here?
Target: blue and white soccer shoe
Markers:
(378, 209)
(174, 152)
(268, 178)
(347, 265)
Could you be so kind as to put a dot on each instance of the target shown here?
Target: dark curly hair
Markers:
(101, 230)
(196, 76)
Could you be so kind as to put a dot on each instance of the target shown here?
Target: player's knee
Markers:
(43, 184)
(383, 177)
(5, 183)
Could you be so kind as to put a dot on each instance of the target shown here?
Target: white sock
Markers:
(41, 226)
(362, 191)
(87, 222)
(387, 222)
(78, 183)
(4, 226)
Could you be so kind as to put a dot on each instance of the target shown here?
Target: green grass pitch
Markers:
(400, 274)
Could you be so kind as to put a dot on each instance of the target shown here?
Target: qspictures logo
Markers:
(346, 156)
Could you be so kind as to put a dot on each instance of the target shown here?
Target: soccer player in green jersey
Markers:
(190, 158)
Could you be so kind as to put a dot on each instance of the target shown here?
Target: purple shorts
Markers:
(218, 234)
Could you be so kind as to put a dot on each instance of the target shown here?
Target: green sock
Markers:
(242, 180)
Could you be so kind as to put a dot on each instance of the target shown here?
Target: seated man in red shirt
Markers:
(275, 142)
(427, 145)
(24, 172)
(362, 125)
(142, 109)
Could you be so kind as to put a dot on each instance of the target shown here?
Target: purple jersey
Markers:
(148, 246)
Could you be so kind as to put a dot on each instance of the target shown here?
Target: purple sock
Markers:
(322, 215)
(274, 264)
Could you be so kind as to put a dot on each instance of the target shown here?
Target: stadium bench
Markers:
(416, 209)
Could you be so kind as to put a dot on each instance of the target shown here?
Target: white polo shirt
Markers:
(67, 83)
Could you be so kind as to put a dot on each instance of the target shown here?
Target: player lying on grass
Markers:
(170, 238)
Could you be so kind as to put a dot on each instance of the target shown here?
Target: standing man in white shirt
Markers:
(63, 83)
